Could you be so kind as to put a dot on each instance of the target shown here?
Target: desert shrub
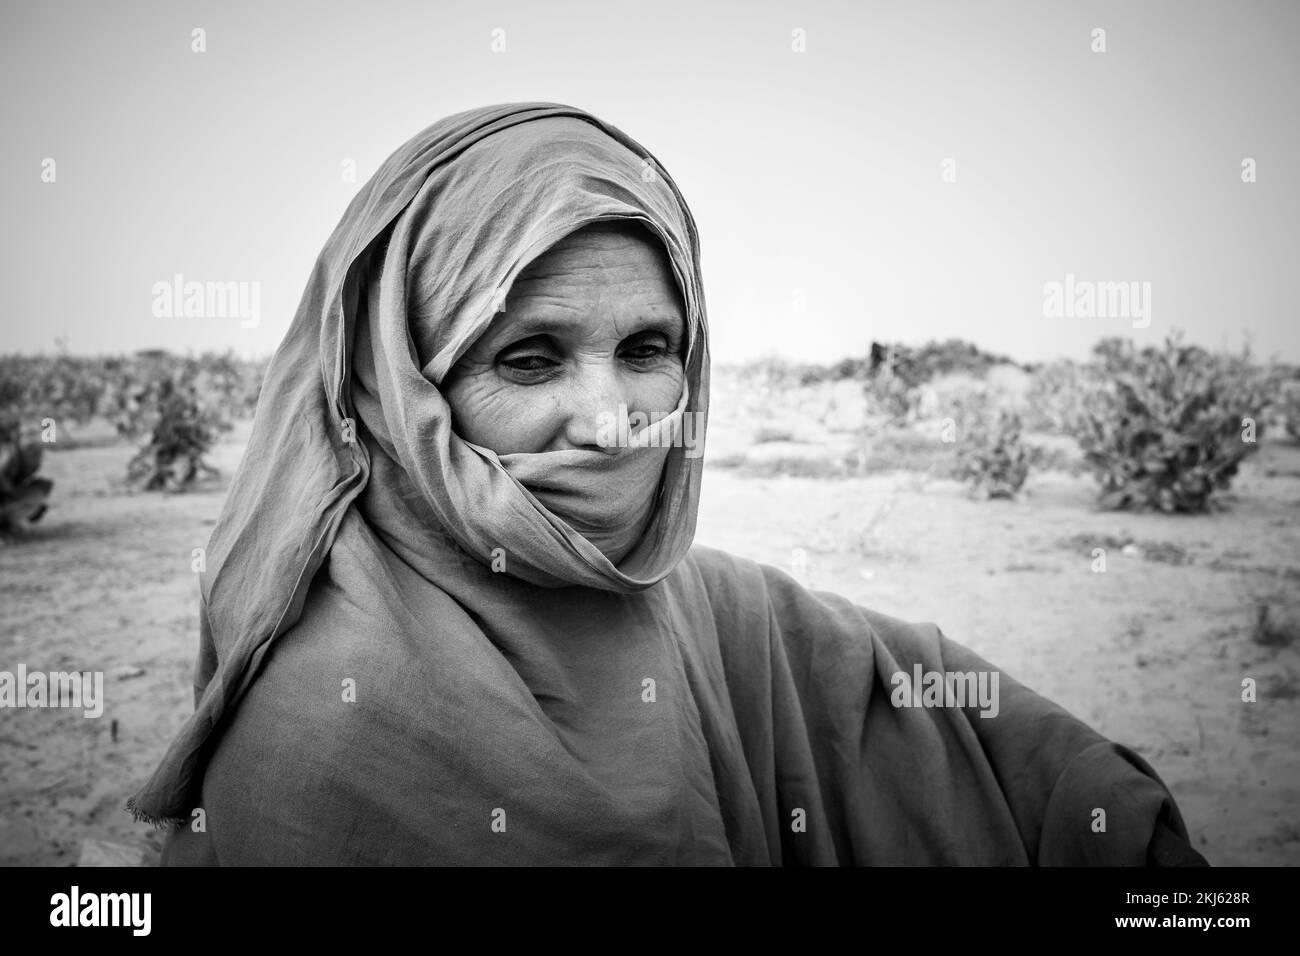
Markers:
(13, 385)
(1056, 396)
(1162, 427)
(72, 390)
(892, 396)
(897, 372)
(41, 386)
(994, 460)
(1288, 403)
(849, 368)
(229, 384)
(917, 365)
(23, 495)
(183, 430)
(119, 388)
(991, 457)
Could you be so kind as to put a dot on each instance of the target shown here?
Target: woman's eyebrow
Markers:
(546, 324)
(538, 325)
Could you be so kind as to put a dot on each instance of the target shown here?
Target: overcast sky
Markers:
(817, 177)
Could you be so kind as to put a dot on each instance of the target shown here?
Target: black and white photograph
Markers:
(577, 434)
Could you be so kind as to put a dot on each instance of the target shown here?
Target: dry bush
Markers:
(1288, 403)
(1164, 427)
(991, 457)
(23, 495)
(182, 430)
(1056, 397)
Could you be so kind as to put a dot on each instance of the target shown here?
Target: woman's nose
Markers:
(596, 407)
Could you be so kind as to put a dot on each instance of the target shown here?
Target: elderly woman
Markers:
(452, 616)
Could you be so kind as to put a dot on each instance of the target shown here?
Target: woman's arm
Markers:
(1076, 802)
(906, 771)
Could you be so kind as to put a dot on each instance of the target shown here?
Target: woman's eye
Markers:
(529, 369)
(528, 363)
(645, 351)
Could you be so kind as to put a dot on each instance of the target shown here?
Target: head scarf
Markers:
(351, 415)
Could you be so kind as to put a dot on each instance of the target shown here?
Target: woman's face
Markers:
(593, 323)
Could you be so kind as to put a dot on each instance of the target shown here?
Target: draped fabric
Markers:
(414, 651)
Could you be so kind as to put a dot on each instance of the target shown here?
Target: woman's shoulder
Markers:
(740, 589)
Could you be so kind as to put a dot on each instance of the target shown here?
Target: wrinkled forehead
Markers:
(482, 218)
(619, 256)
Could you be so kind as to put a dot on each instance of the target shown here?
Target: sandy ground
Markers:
(1151, 652)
